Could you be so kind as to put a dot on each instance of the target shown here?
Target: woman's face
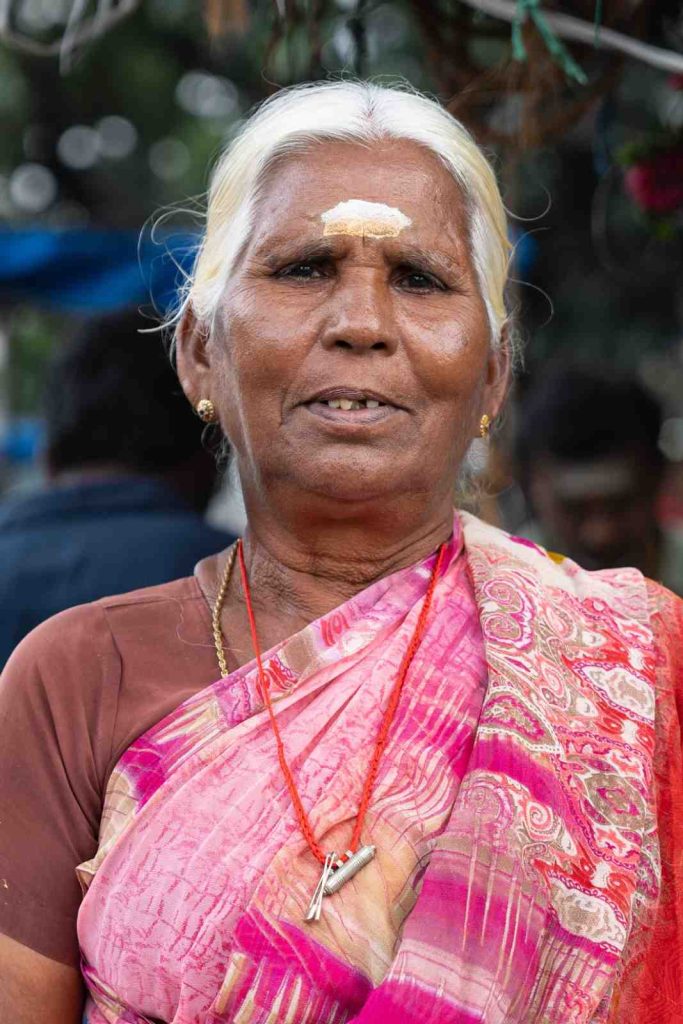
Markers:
(355, 305)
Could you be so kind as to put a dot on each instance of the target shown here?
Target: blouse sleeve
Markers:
(58, 701)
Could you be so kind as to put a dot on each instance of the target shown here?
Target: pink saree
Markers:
(520, 877)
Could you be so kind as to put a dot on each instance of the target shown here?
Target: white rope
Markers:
(79, 29)
(568, 27)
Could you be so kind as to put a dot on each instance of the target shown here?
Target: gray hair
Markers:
(351, 112)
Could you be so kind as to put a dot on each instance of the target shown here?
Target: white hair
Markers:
(350, 112)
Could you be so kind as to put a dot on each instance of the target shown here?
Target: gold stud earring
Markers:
(206, 410)
(484, 426)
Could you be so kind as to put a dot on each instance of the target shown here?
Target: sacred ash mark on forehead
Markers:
(364, 219)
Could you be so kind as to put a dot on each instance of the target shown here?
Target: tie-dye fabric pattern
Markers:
(514, 815)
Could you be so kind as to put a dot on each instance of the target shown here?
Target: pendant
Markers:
(316, 905)
(335, 874)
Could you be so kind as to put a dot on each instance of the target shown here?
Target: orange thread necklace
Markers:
(336, 869)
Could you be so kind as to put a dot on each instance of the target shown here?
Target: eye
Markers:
(416, 280)
(307, 270)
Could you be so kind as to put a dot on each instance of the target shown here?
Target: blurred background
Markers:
(113, 110)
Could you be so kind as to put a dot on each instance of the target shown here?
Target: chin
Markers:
(349, 490)
(350, 483)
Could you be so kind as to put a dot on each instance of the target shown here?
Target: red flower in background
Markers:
(656, 183)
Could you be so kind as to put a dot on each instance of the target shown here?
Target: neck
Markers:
(306, 565)
(302, 565)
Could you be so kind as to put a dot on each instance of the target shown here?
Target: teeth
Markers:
(350, 404)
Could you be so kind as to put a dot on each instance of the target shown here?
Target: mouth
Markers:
(349, 406)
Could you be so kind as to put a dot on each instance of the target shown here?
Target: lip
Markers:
(353, 419)
(354, 394)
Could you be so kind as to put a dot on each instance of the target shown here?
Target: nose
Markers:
(360, 316)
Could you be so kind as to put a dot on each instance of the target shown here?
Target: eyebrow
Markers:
(410, 252)
(434, 260)
(283, 252)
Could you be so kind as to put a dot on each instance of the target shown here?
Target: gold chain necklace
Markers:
(218, 637)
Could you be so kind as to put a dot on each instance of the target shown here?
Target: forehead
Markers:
(299, 188)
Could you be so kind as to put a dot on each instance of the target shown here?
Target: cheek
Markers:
(252, 365)
(261, 341)
(453, 367)
(247, 344)
(453, 392)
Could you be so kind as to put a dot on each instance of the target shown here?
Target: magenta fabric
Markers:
(513, 815)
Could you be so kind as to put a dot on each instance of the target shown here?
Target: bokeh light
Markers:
(205, 95)
(117, 137)
(78, 147)
(169, 159)
(32, 187)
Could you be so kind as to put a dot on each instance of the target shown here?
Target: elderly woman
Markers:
(380, 762)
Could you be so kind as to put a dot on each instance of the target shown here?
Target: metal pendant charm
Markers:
(335, 873)
(348, 869)
(316, 904)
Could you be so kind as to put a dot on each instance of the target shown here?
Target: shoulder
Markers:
(61, 683)
(552, 577)
(552, 567)
(139, 619)
(481, 537)
(184, 589)
(75, 634)
(80, 673)
(79, 648)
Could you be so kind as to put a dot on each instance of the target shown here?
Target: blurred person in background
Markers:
(589, 463)
(128, 481)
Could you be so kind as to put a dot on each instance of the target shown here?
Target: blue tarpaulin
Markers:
(92, 270)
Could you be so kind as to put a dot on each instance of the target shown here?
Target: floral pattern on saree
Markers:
(515, 814)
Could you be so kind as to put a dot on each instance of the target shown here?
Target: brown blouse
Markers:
(73, 696)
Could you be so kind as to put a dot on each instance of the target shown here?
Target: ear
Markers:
(193, 360)
(498, 375)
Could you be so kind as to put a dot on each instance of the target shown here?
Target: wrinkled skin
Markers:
(332, 504)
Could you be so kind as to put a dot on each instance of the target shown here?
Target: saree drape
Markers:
(527, 872)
